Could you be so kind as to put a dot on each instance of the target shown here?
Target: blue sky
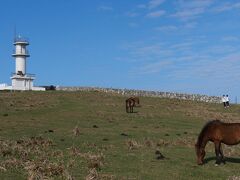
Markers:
(190, 46)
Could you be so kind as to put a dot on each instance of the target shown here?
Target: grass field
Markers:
(88, 135)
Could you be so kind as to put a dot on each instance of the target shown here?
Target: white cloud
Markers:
(188, 14)
(155, 3)
(224, 68)
(183, 60)
(226, 7)
(152, 67)
(143, 52)
(188, 10)
(142, 6)
(151, 4)
(166, 28)
(149, 9)
(190, 25)
(182, 46)
(105, 8)
(132, 14)
(189, 4)
(156, 14)
(133, 25)
(230, 38)
(173, 28)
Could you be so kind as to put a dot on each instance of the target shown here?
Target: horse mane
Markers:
(203, 131)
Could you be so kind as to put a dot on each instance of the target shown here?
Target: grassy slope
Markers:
(170, 126)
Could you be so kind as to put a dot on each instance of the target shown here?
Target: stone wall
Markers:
(131, 92)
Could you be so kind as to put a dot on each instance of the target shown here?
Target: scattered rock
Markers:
(95, 126)
(157, 152)
(124, 134)
(20, 141)
(159, 155)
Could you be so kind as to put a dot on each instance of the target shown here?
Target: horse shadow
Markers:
(227, 159)
(134, 112)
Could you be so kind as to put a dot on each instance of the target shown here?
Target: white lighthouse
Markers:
(21, 80)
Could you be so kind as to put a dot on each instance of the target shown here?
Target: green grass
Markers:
(168, 125)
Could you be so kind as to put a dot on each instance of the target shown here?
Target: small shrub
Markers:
(95, 161)
(92, 175)
(76, 131)
(132, 144)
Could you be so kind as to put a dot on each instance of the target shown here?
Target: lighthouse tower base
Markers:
(22, 83)
(5, 87)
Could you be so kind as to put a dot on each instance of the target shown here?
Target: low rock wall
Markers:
(131, 92)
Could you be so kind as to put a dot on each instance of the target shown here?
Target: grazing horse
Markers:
(130, 103)
(217, 132)
(136, 101)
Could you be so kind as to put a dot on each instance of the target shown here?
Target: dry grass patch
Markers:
(148, 143)
(234, 178)
(133, 144)
(231, 151)
(188, 142)
(92, 175)
(35, 156)
(95, 161)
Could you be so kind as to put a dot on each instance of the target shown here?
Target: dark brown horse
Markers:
(136, 101)
(132, 102)
(217, 132)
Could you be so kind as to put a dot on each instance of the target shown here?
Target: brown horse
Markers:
(136, 101)
(132, 102)
(217, 132)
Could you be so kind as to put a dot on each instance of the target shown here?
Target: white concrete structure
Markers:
(20, 79)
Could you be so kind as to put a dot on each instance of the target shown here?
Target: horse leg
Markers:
(128, 106)
(221, 153)
(217, 151)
